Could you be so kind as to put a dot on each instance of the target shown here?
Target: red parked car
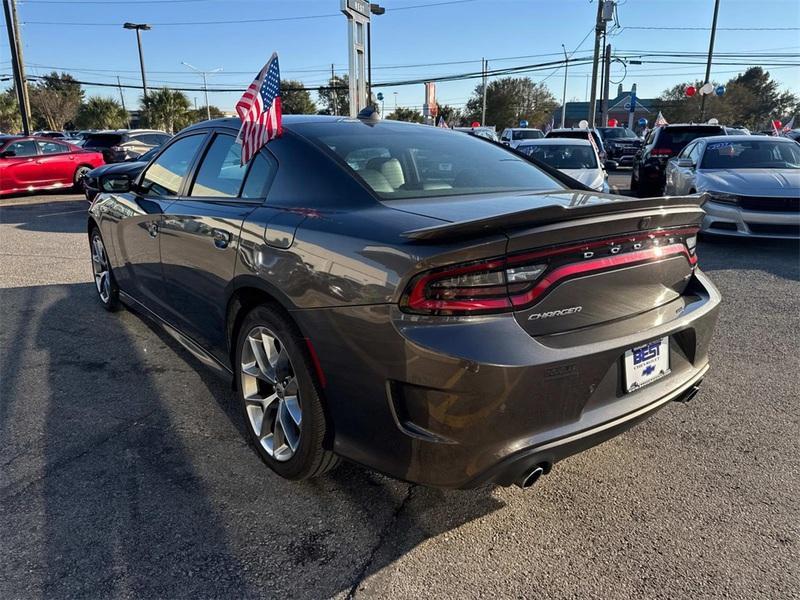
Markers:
(38, 163)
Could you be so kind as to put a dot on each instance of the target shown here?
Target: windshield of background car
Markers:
(418, 162)
(526, 134)
(756, 154)
(568, 156)
(613, 133)
(102, 140)
(676, 138)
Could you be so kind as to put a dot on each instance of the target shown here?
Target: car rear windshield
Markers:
(418, 162)
(568, 156)
(102, 140)
(526, 134)
(613, 133)
(676, 138)
(755, 154)
(573, 135)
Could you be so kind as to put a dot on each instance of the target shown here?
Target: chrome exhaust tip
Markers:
(531, 478)
(689, 394)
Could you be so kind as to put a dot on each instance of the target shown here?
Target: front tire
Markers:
(107, 291)
(280, 396)
(77, 178)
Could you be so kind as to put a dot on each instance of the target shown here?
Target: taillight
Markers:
(499, 285)
(660, 152)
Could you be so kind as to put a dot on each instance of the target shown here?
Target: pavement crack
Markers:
(381, 540)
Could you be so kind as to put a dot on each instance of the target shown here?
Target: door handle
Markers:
(152, 228)
(221, 239)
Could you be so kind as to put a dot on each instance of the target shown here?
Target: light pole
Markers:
(708, 64)
(205, 83)
(564, 96)
(375, 9)
(139, 27)
(395, 102)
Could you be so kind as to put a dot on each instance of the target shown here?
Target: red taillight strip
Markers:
(598, 264)
(417, 299)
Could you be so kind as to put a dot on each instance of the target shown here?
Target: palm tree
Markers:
(165, 109)
(10, 120)
(102, 113)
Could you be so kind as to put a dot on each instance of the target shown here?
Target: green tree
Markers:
(165, 109)
(335, 99)
(451, 114)
(101, 113)
(401, 113)
(752, 99)
(10, 119)
(510, 100)
(199, 114)
(295, 99)
(55, 100)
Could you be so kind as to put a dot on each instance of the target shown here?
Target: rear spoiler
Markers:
(546, 215)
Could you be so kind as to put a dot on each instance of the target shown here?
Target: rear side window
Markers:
(676, 138)
(52, 148)
(165, 175)
(220, 174)
(258, 178)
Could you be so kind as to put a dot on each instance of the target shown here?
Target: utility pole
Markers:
(122, 99)
(138, 27)
(17, 63)
(599, 29)
(606, 82)
(205, 84)
(333, 91)
(710, 54)
(564, 95)
(484, 67)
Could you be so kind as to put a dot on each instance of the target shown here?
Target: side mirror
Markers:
(610, 165)
(686, 163)
(8, 153)
(119, 184)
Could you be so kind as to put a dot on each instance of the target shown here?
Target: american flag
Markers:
(260, 110)
(549, 126)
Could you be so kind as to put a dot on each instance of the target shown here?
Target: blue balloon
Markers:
(523, 123)
(642, 122)
(720, 89)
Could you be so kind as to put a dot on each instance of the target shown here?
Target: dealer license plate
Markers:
(646, 363)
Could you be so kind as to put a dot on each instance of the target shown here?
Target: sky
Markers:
(86, 39)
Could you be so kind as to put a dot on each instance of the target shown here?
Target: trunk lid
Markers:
(604, 257)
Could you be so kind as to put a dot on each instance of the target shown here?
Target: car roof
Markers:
(523, 128)
(286, 120)
(741, 138)
(124, 131)
(560, 129)
(556, 142)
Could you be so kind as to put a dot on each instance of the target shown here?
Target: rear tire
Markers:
(104, 282)
(77, 178)
(280, 396)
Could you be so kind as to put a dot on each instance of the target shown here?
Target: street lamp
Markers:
(375, 9)
(139, 27)
(205, 83)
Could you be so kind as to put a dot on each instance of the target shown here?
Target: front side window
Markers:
(220, 174)
(165, 176)
(52, 148)
(22, 148)
(417, 162)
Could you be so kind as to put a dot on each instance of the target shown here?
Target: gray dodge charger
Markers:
(432, 305)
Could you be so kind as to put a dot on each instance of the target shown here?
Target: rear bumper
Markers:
(725, 219)
(465, 402)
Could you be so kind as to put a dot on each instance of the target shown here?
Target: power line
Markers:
(654, 28)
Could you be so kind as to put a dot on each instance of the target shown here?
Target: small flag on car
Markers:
(660, 121)
(549, 127)
(788, 127)
(442, 123)
(260, 110)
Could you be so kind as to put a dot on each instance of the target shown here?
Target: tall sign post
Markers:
(430, 109)
(357, 13)
(632, 108)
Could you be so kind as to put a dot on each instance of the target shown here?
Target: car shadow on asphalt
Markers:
(121, 477)
(42, 216)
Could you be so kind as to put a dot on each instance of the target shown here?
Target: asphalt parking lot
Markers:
(125, 472)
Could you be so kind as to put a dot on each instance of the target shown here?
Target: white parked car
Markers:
(573, 157)
(752, 184)
(513, 136)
